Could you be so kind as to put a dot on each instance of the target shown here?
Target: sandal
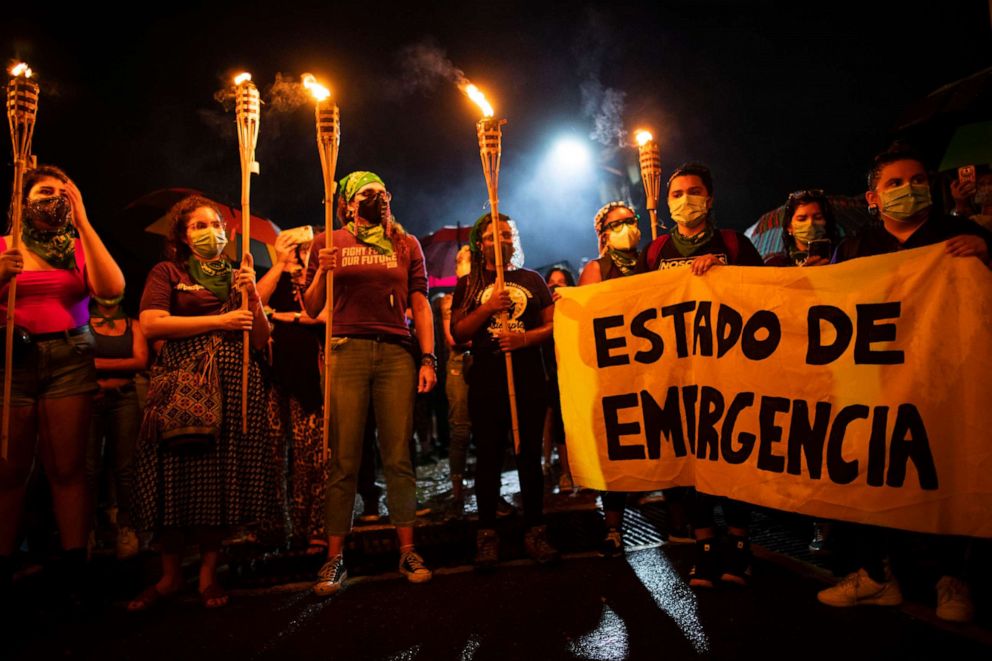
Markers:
(148, 599)
(214, 593)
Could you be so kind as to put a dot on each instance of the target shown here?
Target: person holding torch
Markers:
(379, 272)
(477, 305)
(61, 262)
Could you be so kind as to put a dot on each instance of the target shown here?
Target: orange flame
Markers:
(643, 137)
(479, 99)
(319, 92)
(21, 69)
(242, 78)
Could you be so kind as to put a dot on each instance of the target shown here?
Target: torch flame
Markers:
(21, 69)
(319, 92)
(643, 137)
(479, 99)
(242, 78)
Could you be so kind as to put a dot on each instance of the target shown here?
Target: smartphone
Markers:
(298, 235)
(819, 248)
(966, 174)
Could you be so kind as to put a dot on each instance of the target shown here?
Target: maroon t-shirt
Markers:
(169, 287)
(371, 290)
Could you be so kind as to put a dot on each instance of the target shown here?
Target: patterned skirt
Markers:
(236, 480)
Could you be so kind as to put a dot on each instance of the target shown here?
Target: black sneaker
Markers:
(486, 549)
(737, 563)
(704, 568)
(331, 577)
(612, 544)
(538, 547)
(423, 509)
(370, 510)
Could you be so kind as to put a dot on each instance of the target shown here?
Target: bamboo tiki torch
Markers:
(247, 111)
(328, 141)
(650, 157)
(490, 149)
(22, 109)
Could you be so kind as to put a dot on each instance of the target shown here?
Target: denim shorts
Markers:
(55, 368)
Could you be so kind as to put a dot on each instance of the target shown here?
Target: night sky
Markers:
(773, 96)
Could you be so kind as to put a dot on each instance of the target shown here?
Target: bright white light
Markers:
(570, 156)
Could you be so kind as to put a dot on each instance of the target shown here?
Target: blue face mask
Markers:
(904, 202)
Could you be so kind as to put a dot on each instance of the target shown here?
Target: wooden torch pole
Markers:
(490, 149)
(247, 108)
(22, 110)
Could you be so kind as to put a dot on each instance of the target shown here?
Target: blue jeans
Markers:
(459, 422)
(116, 419)
(383, 372)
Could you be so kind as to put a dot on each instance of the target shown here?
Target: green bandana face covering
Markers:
(373, 236)
(689, 210)
(904, 202)
(807, 232)
(208, 243)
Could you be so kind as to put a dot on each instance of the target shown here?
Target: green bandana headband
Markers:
(475, 236)
(352, 183)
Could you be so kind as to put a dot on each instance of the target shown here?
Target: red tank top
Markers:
(49, 301)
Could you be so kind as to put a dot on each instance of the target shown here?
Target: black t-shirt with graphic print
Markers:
(530, 296)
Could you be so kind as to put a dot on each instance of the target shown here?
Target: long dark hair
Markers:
(176, 248)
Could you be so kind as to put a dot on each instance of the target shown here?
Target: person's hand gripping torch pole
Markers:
(22, 110)
(328, 142)
(490, 149)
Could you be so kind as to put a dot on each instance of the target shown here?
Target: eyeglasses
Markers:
(614, 225)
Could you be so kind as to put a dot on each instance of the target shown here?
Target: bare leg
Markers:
(14, 474)
(63, 427)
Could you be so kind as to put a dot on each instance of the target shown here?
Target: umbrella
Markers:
(850, 214)
(440, 248)
(155, 205)
(971, 144)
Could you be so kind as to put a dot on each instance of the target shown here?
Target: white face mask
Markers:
(689, 210)
(625, 238)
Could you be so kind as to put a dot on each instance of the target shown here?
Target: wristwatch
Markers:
(429, 360)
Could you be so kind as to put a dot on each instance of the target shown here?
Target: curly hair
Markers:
(176, 248)
(32, 177)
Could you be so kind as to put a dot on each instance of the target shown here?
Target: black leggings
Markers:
(736, 513)
(491, 431)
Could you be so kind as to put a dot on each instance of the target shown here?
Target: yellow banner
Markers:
(858, 391)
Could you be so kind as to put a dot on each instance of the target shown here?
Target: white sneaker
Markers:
(954, 600)
(128, 544)
(859, 589)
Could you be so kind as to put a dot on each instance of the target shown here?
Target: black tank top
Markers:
(115, 346)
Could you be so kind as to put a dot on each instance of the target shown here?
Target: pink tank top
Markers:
(49, 301)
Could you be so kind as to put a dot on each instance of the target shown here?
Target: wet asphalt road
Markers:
(583, 608)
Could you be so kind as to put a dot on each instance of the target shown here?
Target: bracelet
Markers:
(296, 317)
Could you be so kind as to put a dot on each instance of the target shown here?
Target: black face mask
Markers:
(48, 214)
(374, 209)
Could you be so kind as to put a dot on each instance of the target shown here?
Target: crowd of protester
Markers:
(188, 463)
